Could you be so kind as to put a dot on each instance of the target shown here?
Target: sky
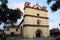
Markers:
(54, 18)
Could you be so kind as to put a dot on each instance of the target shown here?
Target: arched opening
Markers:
(38, 33)
(12, 33)
(38, 22)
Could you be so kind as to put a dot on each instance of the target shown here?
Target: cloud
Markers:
(18, 5)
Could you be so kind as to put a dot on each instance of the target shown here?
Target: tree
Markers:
(9, 16)
(55, 6)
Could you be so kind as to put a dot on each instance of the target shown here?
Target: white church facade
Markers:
(34, 24)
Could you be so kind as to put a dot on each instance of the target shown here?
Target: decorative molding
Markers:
(35, 8)
(32, 25)
(35, 16)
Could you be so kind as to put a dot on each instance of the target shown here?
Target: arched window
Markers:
(37, 7)
(8, 29)
(38, 22)
(16, 29)
(37, 14)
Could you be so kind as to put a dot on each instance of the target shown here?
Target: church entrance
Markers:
(12, 33)
(38, 33)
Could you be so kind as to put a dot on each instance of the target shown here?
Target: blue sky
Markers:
(54, 17)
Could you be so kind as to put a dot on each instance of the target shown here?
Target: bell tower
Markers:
(35, 18)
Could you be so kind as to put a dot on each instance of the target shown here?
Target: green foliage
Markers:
(56, 5)
(48, 1)
(9, 16)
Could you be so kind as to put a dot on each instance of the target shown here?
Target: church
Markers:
(34, 23)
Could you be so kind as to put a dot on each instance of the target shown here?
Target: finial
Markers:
(37, 4)
(44, 7)
(27, 4)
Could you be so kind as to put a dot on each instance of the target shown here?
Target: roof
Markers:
(21, 22)
(55, 30)
(12, 26)
(37, 7)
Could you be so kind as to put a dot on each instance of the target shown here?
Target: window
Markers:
(7, 29)
(16, 29)
(38, 15)
(37, 7)
(38, 22)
